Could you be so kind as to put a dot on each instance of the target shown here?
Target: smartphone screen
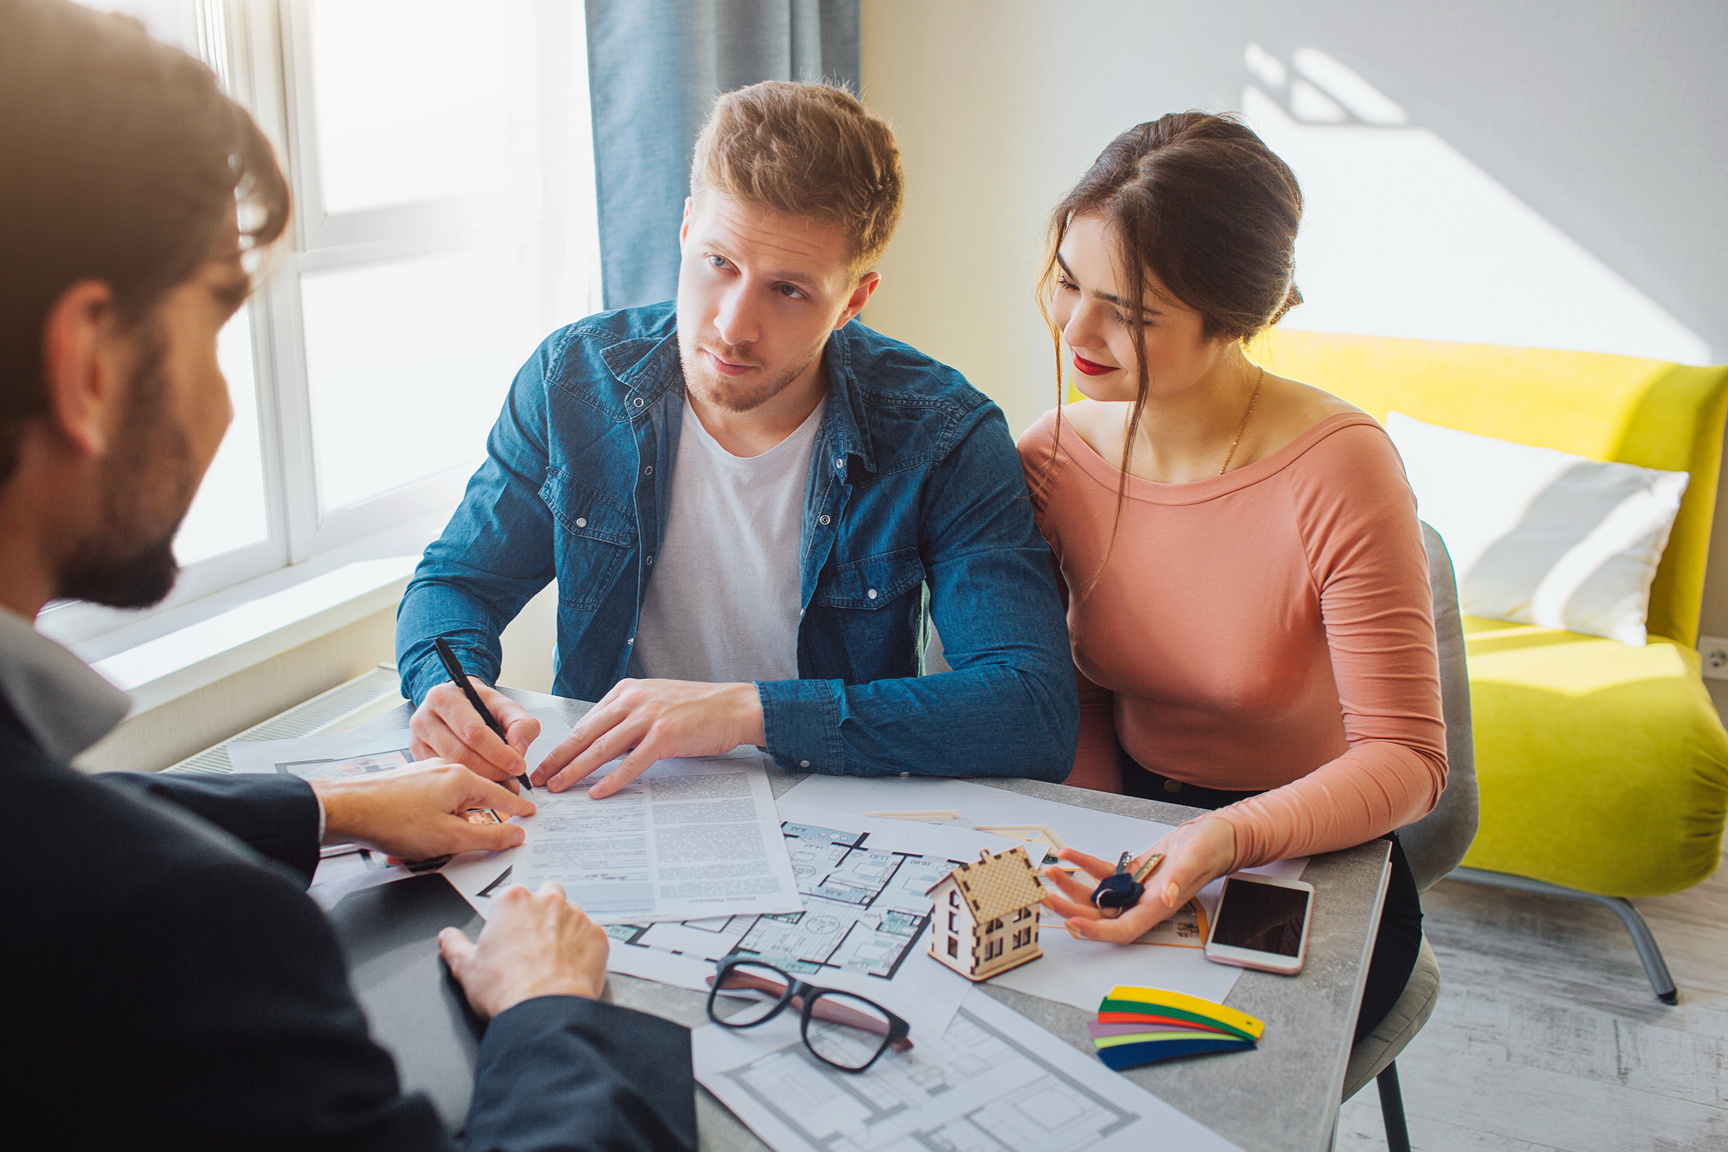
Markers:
(1261, 917)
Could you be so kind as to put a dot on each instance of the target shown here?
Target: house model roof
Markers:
(996, 885)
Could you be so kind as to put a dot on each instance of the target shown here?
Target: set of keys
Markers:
(1122, 889)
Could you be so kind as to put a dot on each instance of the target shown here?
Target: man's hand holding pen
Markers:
(447, 727)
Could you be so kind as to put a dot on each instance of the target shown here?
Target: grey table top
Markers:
(1281, 1096)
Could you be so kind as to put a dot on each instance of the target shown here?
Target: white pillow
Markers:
(1540, 536)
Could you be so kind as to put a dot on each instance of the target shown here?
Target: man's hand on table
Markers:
(1195, 854)
(420, 811)
(656, 718)
(446, 727)
(535, 944)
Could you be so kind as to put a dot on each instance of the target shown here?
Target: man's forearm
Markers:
(437, 606)
(566, 1072)
(277, 816)
(992, 720)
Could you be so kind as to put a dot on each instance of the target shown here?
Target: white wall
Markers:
(1584, 138)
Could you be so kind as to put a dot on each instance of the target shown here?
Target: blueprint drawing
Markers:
(864, 910)
(994, 1082)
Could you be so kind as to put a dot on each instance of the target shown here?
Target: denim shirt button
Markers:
(803, 763)
(821, 519)
(648, 471)
(638, 401)
(840, 464)
(650, 559)
(581, 521)
(871, 593)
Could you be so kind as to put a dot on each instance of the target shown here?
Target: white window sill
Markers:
(198, 655)
(164, 654)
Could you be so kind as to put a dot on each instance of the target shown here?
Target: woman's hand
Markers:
(1195, 854)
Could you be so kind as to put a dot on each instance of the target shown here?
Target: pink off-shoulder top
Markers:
(1271, 628)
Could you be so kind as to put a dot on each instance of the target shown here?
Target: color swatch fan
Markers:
(1141, 1025)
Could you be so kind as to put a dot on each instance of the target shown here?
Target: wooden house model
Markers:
(984, 918)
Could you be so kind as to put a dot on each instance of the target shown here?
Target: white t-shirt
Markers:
(722, 599)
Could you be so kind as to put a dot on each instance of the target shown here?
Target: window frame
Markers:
(260, 51)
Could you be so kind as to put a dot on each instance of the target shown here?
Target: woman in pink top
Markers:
(1248, 592)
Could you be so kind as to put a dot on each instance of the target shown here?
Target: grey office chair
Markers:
(1434, 845)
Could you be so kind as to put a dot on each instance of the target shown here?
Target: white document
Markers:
(994, 1080)
(865, 923)
(1071, 971)
(337, 876)
(688, 838)
(344, 757)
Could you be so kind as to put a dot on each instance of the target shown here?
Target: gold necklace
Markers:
(1243, 427)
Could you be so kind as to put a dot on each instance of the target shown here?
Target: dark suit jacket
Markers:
(170, 984)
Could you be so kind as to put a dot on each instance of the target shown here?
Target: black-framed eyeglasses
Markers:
(842, 1030)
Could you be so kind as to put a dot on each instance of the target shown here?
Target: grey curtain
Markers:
(654, 68)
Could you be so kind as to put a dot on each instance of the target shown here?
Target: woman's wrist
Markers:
(1215, 844)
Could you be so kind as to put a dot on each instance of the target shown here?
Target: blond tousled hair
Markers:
(809, 150)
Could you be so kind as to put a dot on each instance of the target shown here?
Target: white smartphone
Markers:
(1262, 923)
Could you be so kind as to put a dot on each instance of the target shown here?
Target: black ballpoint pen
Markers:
(460, 679)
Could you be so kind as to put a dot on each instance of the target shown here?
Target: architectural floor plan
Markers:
(994, 1082)
(864, 910)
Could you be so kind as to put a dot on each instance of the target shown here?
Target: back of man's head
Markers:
(806, 150)
(120, 161)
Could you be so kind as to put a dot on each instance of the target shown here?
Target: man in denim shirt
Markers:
(743, 498)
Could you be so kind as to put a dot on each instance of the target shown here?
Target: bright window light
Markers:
(228, 512)
(408, 363)
(412, 100)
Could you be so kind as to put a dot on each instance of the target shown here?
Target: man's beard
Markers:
(710, 387)
(128, 561)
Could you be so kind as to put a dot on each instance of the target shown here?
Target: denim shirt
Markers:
(914, 485)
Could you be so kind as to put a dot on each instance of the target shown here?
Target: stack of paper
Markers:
(1140, 1025)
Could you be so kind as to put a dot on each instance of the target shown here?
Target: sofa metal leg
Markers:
(1392, 1109)
(1654, 966)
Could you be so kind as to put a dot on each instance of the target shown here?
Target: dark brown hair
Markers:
(121, 160)
(806, 150)
(1200, 202)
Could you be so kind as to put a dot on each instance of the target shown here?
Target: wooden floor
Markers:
(1547, 1036)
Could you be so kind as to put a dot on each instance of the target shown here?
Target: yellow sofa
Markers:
(1603, 768)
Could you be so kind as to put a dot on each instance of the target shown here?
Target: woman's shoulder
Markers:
(1346, 474)
(1093, 423)
(1293, 411)
(1059, 425)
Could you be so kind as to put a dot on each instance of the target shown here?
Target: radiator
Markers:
(341, 709)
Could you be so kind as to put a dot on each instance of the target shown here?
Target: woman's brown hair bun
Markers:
(1200, 201)
(1291, 299)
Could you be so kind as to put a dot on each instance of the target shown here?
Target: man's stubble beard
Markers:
(128, 560)
(709, 387)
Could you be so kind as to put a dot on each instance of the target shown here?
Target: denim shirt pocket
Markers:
(595, 537)
(872, 583)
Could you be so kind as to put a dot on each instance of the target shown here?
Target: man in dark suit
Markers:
(170, 983)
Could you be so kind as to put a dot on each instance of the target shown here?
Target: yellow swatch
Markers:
(1219, 1012)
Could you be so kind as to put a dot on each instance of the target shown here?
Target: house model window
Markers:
(993, 922)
